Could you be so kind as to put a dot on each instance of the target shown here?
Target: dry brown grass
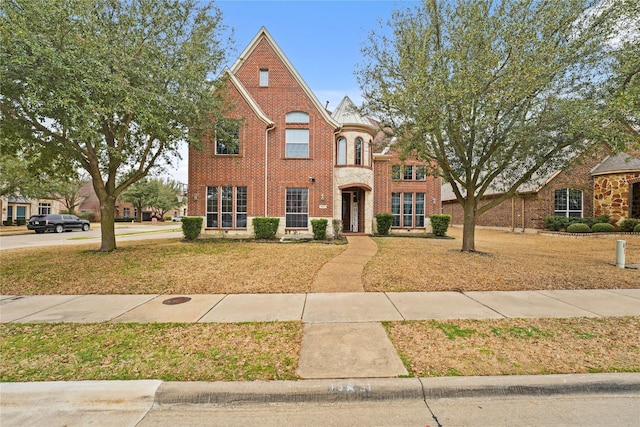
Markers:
(518, 346)
(505, 262)
(165, 266)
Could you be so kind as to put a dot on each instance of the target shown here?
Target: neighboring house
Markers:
(591, 185)
(279, 153)
(17, 209)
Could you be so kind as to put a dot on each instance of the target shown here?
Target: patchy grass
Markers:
(507, 262)
(518, 346)
(171, 352)
(165, 266)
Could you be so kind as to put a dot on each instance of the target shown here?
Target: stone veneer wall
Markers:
(611, 194)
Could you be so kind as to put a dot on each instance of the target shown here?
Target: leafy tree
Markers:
(140, 194)
(69, 191)
(165, 196)
(493, 94)
(115, 86)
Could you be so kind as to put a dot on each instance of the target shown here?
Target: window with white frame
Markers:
(342, 151)
(297, 143)
(395, 172)
(568, 202)
(126, 212)
(395, 209)
(264, 77)
(297, 117)
(408, 173)
(226, 207)
(407, 210)
(421, 173)
(44, 208)
(359, 149)
(227, 136)
(420, 209)
(297, 208)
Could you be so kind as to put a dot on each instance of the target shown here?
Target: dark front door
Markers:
(346, 212)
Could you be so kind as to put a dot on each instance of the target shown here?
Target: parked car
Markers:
(177, 218)
(57, 223)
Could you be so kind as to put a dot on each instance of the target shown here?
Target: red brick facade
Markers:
(350, 189)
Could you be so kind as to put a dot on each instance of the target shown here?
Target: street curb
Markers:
(378, 389)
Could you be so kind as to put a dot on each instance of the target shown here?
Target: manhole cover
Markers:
(176, 300)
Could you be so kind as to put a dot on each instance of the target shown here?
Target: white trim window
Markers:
(297, 208)
(227, 137)
(297, 145)
(264, 77)
(44, 208)
(568, 202)
(342, 151)
(359, 148)
(408, 210)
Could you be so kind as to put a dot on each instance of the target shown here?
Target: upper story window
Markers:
(297, 137)
(44, 208)
(421, 173)
(395, 172)
(342, 151)
(227, 136)
(408, 173)
(297, 117)
(264, 77)
(358, 151)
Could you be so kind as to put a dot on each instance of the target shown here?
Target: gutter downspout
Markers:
(271, 126)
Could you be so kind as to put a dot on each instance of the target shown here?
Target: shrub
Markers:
(123, 219)
(337, 228)
(578, 227)
(383, 223)
(265, 228)
(7, 222)
(440, 224)
(602, 227)
(636, 229)
(319, 227)
(629, 225)
(90, 216)
(191, 227)
(21, 221)
(603, 219)
(556, 223)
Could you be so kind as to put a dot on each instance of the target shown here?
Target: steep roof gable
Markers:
(248, 98)
(263, 34)
(619, 162)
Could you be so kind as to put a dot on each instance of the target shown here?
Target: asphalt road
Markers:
(124, 232)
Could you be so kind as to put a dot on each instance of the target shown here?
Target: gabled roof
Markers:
(347, 114)
(249, 99)
(263, 34)
(619, 162)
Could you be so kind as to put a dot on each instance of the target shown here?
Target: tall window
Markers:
(407, 210)
(44, 208)
(297, 208)
(227, 136)
(342, 151)
(227, 206)
(212, 207)
(264, 77)
(126, 212)
(241, 207)
(297, 138)
(395, 209)
(421, 173)
(419, 209)
(358, 151)
(568, 202)
(408, 173)
(223, 208)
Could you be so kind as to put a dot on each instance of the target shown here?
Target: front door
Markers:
(346, 211)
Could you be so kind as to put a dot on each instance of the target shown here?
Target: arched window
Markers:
(297, 117)
(358, 151)
(342, 151)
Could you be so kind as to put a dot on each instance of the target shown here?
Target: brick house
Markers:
(593, 184)
(279, 153)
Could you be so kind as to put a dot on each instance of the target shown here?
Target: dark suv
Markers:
(57, 223)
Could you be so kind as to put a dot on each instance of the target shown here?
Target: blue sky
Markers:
(322, 40)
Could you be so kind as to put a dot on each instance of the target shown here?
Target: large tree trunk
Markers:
(469, 226)
(107, 226)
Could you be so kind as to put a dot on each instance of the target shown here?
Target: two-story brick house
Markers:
(279, 153)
